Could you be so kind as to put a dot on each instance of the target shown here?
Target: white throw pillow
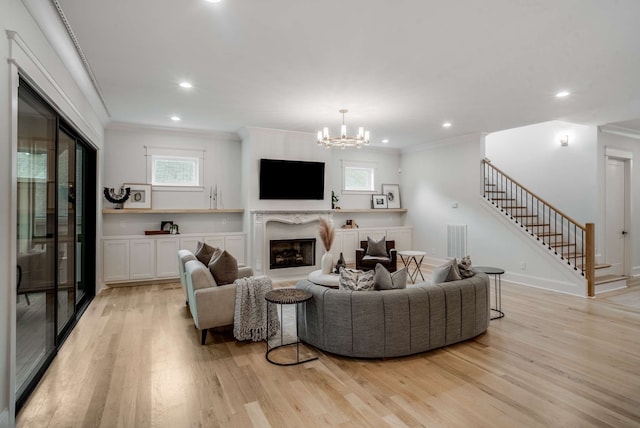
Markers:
(355, 280)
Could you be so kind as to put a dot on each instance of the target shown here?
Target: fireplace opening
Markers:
(287, 253)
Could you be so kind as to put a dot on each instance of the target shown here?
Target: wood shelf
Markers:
(371, 210)
(173, 211)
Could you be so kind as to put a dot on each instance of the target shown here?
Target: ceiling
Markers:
(401, 67)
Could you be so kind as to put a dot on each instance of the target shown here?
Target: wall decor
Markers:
(393, 195)
(140, 196)
(379, 201)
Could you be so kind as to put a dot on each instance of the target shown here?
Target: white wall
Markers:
(563, 176)
(125, 162)
(39, 62)
(290, 145)
(436, 177)
(630, 143)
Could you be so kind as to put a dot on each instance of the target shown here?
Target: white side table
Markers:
(415, 257)
(330, 280)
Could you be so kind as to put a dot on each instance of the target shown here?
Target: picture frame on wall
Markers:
(392, 191)
(379, 201)
(139, 198)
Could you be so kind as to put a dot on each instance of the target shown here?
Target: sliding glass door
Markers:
(55, 234)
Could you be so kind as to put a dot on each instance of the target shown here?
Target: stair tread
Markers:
(549, 234)
(524, 215)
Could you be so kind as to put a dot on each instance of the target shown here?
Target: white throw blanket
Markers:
(251, 309)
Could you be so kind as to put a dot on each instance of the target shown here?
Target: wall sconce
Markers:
(564, 140)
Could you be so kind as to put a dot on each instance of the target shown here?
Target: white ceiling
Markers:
(401, 67)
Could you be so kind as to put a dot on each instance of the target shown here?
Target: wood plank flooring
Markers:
(134, 360)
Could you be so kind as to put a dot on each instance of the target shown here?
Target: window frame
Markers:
(370, 166)
(178, 154)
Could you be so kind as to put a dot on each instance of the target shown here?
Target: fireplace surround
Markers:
(280, 225)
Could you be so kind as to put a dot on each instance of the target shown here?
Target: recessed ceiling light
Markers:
(385, 141)
(186, 85)
(175, 118)
(446, 125)
(213, 1)
(563, 94)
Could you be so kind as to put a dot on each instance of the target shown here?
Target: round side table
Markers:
(497, 287)
(409, 256)
(286, 296)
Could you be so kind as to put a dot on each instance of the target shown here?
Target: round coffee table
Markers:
(409, 256)
(286, 296)
(330, 280)
(497, 287)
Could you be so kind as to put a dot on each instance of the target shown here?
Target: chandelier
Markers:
(343, 141)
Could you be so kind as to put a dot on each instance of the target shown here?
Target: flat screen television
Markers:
(285, 179)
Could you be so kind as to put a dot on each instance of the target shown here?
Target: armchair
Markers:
(368, 262)
(211, 305)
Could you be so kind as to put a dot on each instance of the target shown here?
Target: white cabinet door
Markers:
(115, 260)
(373, 233)
(403, 238)
(216, 241)
(349, 243)
(235, 245)
(190, 243)
(167, 258)
(142, 259)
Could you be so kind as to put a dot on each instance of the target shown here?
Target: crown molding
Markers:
(619, 130)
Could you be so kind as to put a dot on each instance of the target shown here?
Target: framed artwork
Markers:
(379, 201)
(393, 195)
(140, 197)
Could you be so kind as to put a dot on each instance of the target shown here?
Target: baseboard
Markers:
(4, 419)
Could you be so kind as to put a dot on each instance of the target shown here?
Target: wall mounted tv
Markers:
(285, 179)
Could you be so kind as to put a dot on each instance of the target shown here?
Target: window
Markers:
(167, 168)
(358, 177)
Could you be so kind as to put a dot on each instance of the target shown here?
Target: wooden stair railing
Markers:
(565, 237)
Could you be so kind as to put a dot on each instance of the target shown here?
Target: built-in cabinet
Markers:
(136, 258)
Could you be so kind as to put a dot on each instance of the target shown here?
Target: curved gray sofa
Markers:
(393, 323)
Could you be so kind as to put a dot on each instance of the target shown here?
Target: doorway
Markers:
(617, 193)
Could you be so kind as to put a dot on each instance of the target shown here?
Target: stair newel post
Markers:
(590, 239)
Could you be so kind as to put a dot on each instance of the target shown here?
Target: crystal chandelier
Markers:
(343, 141)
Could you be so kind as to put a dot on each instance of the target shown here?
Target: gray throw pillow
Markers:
(385, 280)
(204, 252)
(355, 280)
(224, 268)
(377, 248)
(454, 273)
(440, 274)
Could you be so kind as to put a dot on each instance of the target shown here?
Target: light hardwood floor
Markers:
(134, 360)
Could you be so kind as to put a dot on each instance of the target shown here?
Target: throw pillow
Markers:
(355, 280)
(204, 252)
(224, 268)
(465, 268)
(454, 273)
(377, 248)
(440, 274)
(385, 280)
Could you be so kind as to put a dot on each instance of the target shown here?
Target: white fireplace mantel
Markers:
(259, 221)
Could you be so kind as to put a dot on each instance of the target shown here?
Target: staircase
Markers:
(566, 239)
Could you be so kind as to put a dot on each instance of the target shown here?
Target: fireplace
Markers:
(290, 253)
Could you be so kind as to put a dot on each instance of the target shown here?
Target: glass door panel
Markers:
(79, 206)
(66, 215)
(36, 251)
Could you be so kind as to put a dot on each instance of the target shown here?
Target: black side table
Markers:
(286, 296)
(497, 290)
